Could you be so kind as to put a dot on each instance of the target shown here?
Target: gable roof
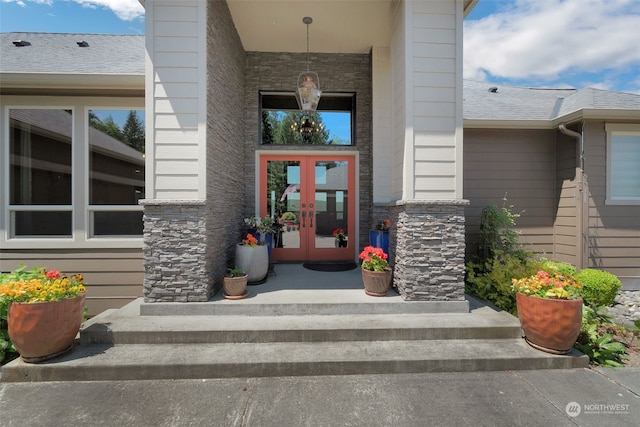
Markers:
(500, 105)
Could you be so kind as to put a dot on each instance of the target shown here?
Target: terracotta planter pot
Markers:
(235, 287)
(376, 283)
(44, 330)
(550, 325)
(254, 261)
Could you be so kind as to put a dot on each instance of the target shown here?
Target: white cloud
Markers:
(545, 39)
(127, 10)
(23, 4)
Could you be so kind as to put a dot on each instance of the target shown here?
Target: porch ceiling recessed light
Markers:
(308, 90)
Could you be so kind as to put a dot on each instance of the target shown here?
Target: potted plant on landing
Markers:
(376, 273)
(253, 259)
(379, 236)
(263, 229)
(341, 238)
(44, 311)
(550, 310)
(235, 284)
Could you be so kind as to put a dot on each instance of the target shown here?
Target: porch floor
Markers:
(293, 289)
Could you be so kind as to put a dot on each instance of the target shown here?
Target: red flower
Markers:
(53, 274)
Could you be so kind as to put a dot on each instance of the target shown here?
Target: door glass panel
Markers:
(331, 203)
(283, 201)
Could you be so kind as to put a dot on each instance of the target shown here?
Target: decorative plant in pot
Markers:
(550, 310)
(376, 273)
(45, 309)
(341, 238)
(379, 236)
(235, 284)
(263, 229)
(253, 259)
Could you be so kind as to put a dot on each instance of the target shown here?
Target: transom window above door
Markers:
(282, 123)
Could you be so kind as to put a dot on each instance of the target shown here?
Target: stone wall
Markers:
(188, 244)
(225, 135)
(428, 249)
(174, 245)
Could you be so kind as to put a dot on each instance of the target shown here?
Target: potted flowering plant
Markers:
(44, 311)
(379, 236)
(263, 229)
(252, 258)
(341, 238)
(550, 310)
(376, 273)
(235, 284)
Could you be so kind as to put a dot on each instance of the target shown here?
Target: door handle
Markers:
(304, 215)
(310, 219)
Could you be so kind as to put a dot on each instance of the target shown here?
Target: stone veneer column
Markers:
(428, 246)
(175, 249)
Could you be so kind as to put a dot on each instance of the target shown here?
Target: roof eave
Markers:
(71, 81)
(507, 124)
(574, 116)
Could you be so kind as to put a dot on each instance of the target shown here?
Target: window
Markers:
(623, 164)
(283, 123)
(40, 172)
(116, 172)
(72, 174)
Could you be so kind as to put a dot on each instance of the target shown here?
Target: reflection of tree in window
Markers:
(277, 128)
(132, 133)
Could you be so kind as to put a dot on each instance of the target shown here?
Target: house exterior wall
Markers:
(383, 159)
(427, 83)
(518, 164)
(176, 101)
(193, 215)
(428, 209)
(113, 276)
(566, 226)
(613, 231)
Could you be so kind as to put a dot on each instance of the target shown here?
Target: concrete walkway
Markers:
(576, 397)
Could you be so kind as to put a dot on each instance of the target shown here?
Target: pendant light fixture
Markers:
(308, 90)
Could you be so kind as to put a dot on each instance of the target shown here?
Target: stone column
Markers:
(175, 251)
(428, 250)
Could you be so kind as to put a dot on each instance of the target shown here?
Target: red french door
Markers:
(312, 197)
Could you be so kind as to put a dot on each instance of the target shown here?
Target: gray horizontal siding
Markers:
(520, 165)
(113, 276)
(613, 231)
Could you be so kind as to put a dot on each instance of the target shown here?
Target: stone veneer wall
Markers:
(188, 244)
(226, 60)
(428, 242)
(338, 73)
(174, 245)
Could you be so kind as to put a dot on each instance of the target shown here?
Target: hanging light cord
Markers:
(307, 48)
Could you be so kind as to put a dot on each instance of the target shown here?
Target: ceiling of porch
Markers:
(346, 26)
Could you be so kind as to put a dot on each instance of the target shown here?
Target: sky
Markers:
(529, 43)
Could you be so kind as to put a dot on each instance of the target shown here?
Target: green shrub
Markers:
(599, 288)
(492, 281)
(601, 348)
(561, 267)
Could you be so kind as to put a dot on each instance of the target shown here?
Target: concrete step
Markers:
(99, 362)
(311, 328)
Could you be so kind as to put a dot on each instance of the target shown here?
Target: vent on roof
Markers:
(20, 43)
(83, 44)
(493, 89)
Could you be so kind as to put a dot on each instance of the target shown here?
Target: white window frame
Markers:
(81, 237)
(611, 130)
